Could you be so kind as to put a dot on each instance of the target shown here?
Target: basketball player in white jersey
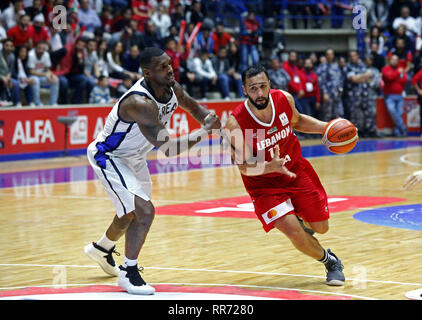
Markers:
(135, 125)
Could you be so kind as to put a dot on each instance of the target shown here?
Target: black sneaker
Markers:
(130, 280)
(335, 276)
(103, 257)
(308, 230)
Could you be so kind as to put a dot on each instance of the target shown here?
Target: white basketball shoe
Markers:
(103, 257)
(130, 280)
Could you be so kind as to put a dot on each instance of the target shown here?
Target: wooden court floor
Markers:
(44, 227)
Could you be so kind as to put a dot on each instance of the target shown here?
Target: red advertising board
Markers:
(410, 115)
(35, 131)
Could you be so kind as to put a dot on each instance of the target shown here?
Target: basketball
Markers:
(340, 136)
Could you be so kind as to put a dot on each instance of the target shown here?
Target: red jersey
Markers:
(265, 137)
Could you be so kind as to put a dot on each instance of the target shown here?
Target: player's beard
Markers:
(259, 106)
(171, 83)
(171, 80)
(168, 82)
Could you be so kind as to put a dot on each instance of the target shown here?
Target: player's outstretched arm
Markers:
(144, 112)
(189, 104)
(412, 180)
(302, 122)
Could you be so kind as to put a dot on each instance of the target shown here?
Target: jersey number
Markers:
(272, 153)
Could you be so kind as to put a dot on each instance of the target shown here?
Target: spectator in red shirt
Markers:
(311, 99)
(220, 37)
(249, 40)
(395, 79)
(142, 11)
(38, 31)
(177, 55)
(405, 55)
(295, 86)
(121, 21)
(19, 33)
(48, 10)
(417, 84)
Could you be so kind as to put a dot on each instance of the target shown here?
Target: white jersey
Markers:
(124, 139)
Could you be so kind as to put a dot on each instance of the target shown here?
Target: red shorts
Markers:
(304, 196)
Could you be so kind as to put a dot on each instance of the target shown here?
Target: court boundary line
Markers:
(411, 163)
(212, 270)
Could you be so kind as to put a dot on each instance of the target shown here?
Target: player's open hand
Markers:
(277, 165)
(412, 180)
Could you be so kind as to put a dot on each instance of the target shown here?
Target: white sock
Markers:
(129, 262)
(326, 257)
(106, 243)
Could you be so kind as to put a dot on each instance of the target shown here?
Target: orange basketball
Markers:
(340, 136)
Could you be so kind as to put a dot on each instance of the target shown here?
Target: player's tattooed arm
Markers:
(144, 112)
(189, 104)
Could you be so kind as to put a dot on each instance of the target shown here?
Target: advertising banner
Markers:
(411, 116)
(37, 132)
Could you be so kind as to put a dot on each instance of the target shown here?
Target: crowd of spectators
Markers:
(90, 51)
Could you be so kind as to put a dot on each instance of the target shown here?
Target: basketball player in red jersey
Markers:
(284, 188)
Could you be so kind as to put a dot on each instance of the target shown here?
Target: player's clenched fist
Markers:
(211, 122)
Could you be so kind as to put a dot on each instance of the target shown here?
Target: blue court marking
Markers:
(41, 155)
(46, 176)
(84, 173)
(362, 146)
(403, 217)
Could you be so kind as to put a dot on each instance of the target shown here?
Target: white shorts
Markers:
(123, 178)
